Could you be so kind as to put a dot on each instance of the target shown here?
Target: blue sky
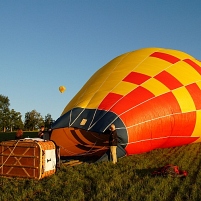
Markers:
(48, 43)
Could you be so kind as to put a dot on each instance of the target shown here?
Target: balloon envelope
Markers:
(62, 89)
(152, 95)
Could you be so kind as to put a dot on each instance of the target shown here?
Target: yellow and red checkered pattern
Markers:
(156, 92)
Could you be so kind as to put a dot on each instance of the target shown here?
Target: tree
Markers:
(15, 120)
(33, 120)
(48, 121)
(4, 112)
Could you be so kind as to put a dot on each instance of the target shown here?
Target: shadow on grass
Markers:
(80, 158)
(145, 172)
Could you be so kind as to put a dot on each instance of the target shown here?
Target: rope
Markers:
(9, 154)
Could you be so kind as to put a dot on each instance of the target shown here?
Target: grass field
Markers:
(129, 179)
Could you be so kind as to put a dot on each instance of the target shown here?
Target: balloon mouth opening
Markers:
(75, 143)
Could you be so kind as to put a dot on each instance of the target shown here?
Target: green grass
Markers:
(130, 179)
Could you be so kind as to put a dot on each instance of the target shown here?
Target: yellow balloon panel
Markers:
(196, 132)
(184, 99)
(151, 66)
(156, 87)
(188, 75)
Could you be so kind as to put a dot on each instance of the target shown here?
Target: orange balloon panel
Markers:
(152, 95)
(80, 142)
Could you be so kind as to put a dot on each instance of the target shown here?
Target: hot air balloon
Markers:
(62, 89)
(152, 95)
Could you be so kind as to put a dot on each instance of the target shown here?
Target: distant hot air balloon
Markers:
(62, 89)
(152, 95)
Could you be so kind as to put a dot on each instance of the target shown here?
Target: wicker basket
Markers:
(28, 158)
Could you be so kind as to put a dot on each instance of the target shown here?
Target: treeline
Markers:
(11, 120)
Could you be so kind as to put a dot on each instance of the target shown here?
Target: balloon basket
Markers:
(28, 158)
